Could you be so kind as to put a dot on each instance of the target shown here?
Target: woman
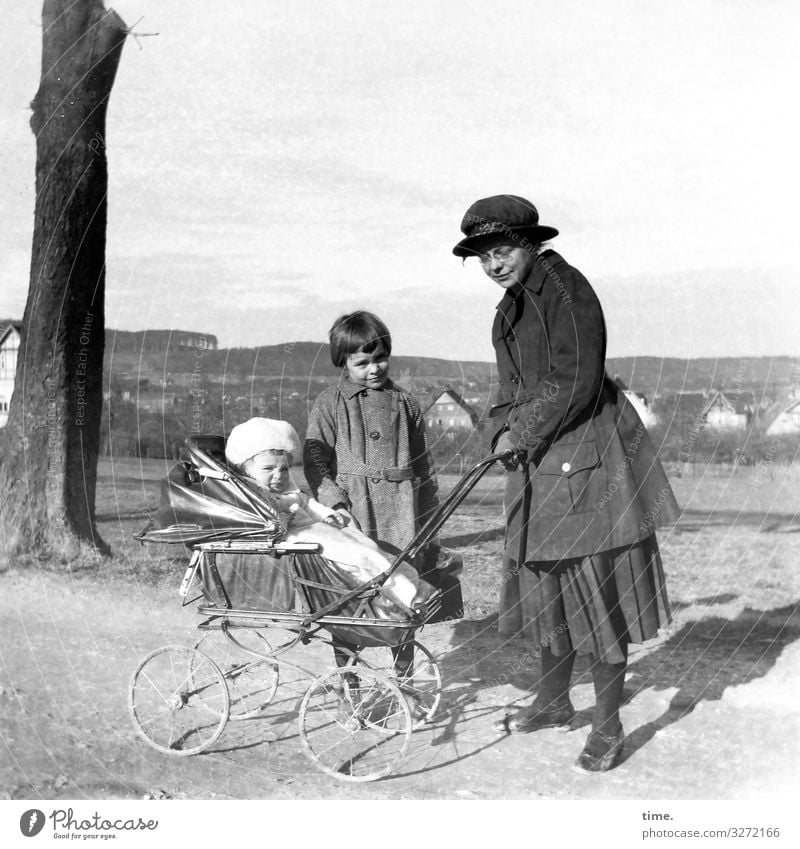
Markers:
(585, 490)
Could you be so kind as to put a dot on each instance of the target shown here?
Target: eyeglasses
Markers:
(501, 254)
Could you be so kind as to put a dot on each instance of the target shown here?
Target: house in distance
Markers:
(9, 350)
(638, 401)
(723, 412)
(788, 421)
(449, 411)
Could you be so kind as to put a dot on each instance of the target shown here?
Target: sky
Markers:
(273, 165)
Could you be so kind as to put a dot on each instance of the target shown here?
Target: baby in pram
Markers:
(261, 450)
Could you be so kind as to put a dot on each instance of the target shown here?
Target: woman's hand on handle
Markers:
(508, 446)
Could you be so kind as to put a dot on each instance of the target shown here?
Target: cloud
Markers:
(268, 172)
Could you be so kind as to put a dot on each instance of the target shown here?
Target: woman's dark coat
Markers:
(592, 480)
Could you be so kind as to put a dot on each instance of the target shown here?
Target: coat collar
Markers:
(350, 389)
(545, 261)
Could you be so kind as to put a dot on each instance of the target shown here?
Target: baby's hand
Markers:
(334, 519)
(346, 518)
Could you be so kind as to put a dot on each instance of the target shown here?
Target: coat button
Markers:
(565, 467)
(514, 378)
(375, 435)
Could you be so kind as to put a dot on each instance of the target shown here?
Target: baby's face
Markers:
(269, 470)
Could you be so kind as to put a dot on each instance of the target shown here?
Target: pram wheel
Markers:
(252, 683)
(355, 725)
(417, 675)
(178, 700)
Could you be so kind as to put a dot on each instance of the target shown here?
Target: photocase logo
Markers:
(31, 822)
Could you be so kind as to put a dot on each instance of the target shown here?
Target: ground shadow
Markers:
(706, 657)
(479, 658)
(701, 660)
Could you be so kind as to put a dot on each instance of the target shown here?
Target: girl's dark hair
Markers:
(356, 332)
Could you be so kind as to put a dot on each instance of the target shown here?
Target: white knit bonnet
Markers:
(257, 435)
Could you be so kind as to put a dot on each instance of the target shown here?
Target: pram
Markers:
(356, 719)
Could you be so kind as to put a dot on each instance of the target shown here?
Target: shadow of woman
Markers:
(480, 659)
(704, 658)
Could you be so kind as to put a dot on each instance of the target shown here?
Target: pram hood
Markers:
(203, 500)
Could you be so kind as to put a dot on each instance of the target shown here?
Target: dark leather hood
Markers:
(202, 499)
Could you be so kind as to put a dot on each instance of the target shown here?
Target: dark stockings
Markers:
(403, 658)
(609, 679)
(342, 651)
(403, 655)
(554, 687)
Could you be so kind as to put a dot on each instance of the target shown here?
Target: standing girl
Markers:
(366, 453)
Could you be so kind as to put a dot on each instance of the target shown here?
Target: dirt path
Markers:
(711, 710)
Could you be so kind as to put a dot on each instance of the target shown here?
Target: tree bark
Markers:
(50, 444)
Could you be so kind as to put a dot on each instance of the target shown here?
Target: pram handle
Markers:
(446, 509)
(428, 531)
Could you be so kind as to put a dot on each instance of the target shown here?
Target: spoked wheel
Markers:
(252, 683)
(414, 669)
(178, 700)
(355, 724)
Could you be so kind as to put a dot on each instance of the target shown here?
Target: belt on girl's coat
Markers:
(349, 464)
(362, 470)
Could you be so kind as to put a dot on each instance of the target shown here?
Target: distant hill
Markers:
(135, 341)
(156, 354)
(649, 376)
(291, 360)
(664, 376)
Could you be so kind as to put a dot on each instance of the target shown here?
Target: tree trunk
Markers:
(50, 445)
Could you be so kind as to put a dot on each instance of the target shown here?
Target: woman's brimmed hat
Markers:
(501, 218)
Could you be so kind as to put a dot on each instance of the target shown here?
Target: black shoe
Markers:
(534, 718)
(600, 753)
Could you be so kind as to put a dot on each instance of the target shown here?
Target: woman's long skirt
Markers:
(593, 605)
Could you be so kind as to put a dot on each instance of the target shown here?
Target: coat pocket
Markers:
(563, 477)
